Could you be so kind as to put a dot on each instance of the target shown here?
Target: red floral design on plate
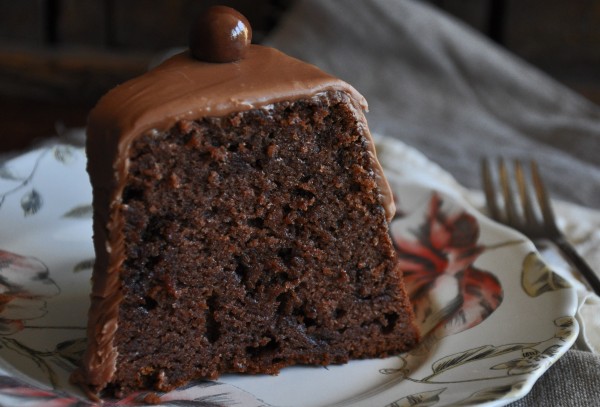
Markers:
(449, 294)
(18, 392)
(25, 285)
(199, 393)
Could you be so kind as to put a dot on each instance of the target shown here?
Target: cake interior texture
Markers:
(255, 241)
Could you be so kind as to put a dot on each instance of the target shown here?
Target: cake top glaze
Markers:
(183, 87)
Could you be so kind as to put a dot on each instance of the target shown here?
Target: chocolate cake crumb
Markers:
(255, 241)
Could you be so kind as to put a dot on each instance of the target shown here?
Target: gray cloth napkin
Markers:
(457, 97)
(448, 91)
(572, 381)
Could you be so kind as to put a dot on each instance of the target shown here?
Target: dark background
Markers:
(57, 57)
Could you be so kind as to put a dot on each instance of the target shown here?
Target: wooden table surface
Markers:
(25, 121)
(68, 53)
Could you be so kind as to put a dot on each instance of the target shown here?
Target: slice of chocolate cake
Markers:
(240, 225)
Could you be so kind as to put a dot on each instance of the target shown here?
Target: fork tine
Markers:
(489, 190)
(543, 198)
(529, 213)
(529, 224)
(555, 234)
(507, 193)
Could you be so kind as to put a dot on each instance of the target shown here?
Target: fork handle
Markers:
(578, 263)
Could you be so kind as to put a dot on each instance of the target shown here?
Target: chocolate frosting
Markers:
(180, 88)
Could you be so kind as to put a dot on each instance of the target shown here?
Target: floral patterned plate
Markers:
(494, 316)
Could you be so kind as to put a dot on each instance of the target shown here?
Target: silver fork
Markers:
(537, 224)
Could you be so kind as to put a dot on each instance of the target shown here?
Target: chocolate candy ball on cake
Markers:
(220, 35)
(240, 223)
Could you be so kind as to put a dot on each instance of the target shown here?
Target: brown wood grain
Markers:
(57, 57)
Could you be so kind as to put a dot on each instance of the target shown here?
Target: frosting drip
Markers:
(180, 88)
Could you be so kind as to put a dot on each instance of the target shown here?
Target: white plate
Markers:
(496, 318)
